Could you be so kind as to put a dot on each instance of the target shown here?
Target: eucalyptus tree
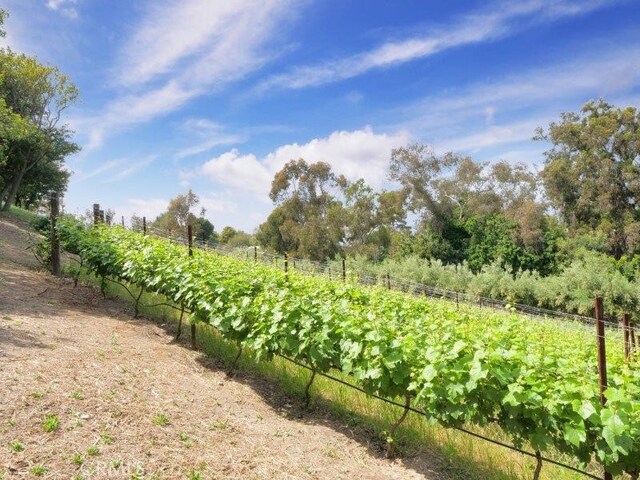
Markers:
(592, 172)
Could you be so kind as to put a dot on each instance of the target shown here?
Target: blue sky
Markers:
(217, 96)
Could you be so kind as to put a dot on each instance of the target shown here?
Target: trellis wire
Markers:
(415, 288)
(183, 240)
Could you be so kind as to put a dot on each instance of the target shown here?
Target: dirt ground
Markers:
(130, 402)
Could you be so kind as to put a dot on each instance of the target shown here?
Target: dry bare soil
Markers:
(124, 400)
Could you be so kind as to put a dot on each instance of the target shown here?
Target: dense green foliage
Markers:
(587, 275)
(33, 145)
(536, 380)
(507, 231)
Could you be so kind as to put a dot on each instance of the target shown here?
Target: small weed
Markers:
(51, 423)
(93, 451)
(221, 425)
(116, 463)
(138, 474)
(12, 422)
(38, 470)
(106, 438)
(37, 394)
(77, 395)
(161, 420)
(78, 459)
(185, 439)
(17, 446)
(194, 475)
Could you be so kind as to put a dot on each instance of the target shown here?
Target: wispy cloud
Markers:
(65, 7)
(209, 135)
(504, 18)
(536, 93)
(105, 167)
(185, 49)
(133, 167)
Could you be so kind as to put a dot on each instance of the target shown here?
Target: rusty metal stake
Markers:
(602, 359)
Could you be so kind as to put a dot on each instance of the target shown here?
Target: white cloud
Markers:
(185, 49)
(357, 154)
(244, 172)
(65, 7)
(217, 203)
(214, 204)
(501, 20)
(149, 208)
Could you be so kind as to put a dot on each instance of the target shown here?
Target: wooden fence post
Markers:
(190, 246)
(344, 270)
(602, 358)
(123, 220)
(626, 330)
(255, 254)
(286, 263)
(96, 213)
(55, 242)
(388, 282)
(144, 225)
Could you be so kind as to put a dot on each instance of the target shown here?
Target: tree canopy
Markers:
(33, 141)
(592, 172)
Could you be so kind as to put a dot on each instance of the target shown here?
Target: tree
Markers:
(227, 234)
(39, 94)
(592, 172)
(40, 180)
(3, 16)
(205, 229)
(458, 202)
(179, 214)
(307, 220)
(235, 238)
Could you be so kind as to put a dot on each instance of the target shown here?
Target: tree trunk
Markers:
(4, 191)
(13, 190)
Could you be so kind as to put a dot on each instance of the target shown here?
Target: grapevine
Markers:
(537, 381)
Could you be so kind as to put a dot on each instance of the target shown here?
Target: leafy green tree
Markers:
(205, 229)
(3, 16)
(473, 211)
(235, 238)
(39, 94)
(179, 214)
(41, 179)
(592, 173)
(227, 234)
(308, 219)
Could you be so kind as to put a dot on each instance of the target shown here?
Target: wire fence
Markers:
(325, 269)
(386, 281)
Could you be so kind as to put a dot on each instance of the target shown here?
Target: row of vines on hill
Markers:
(536, 380)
